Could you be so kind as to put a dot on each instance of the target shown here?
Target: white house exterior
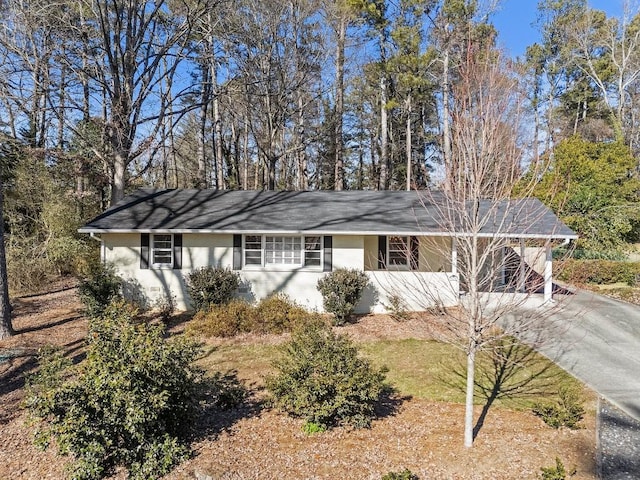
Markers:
(286, 241)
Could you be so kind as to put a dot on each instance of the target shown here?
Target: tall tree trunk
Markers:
(205, 97)
(119, 176)
(468, 411)
(408, 144)
(384, 133)
(339, 106)
(303, 178)
(6, 327)
(446, 125)
(217, 123)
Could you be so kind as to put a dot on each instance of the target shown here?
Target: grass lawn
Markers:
(423, 369)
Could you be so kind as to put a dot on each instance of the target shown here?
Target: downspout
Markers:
(102, 250)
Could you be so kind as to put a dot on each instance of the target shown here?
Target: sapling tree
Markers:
(484, 205)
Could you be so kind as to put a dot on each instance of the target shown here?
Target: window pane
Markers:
(312, 259)
(312, 243)
(161, 252)
(253, 250)
(162, 241)
(162, 257)
(253, 258)
(253, 242)
(283, 250)
(398, 251)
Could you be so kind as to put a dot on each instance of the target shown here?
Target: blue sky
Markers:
(515, 19)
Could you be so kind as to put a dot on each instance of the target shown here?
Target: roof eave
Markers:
(532, 236)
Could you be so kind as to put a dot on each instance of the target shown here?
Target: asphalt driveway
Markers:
(599, 342)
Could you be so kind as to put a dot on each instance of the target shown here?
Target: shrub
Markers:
(209, 286)
(322, 379)
(599, 271)
(567, 411)
(558, 472)
(405, 474)
(99, 288)
(341, 291)
(277, 314)
(130, 403)
(274, 314)
(228, 320)
(397, 308)
(226, 391)
(165, 305)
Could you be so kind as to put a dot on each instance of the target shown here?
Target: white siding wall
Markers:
(123, 250)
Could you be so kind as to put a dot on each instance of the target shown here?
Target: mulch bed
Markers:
(254, 442)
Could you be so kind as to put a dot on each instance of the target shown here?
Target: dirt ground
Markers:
(257, 443)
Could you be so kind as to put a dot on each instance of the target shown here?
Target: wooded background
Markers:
(98, 98)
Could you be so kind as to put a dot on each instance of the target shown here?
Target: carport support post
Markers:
(454, 255)
(521, 269)
(548, 273)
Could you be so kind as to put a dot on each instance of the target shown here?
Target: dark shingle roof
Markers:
(322, 212)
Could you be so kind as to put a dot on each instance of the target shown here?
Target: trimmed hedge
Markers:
(601, 272)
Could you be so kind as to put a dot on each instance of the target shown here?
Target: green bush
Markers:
(405, 474)
(130, 403)
(567, 411)
(341, 291)
(209, 286)
(557, 472)
(599, 272)
(99, 288)
(322, 379)
(274, 314)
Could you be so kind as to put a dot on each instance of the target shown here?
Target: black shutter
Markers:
(382, 252)
(177, 251)
(415, 253)
(328, 254)
(237, 252)
(144, 250)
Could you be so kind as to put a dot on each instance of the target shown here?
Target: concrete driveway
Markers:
(599, 343)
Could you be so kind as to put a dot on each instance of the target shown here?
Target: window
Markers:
(312, 251)
(253, 250)
(402, 252)
(293, 251)
(283, 251)
(398, 252)
(162, 250)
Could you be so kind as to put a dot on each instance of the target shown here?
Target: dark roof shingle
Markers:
(321, 212)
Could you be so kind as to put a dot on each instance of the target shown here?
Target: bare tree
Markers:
(484, 206)
(133, 47)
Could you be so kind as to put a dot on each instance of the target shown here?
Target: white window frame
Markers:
(301, 252)
(153, 249)
(406, 253)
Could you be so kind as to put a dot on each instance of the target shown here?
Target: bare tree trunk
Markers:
(205, 97)
(119, 176)
(408, 144)
(6, 327)
(245, 149)
(339, 107)
(446, 126)
(470, 384)
(384, 141)
(303, 178)
(217, 124)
